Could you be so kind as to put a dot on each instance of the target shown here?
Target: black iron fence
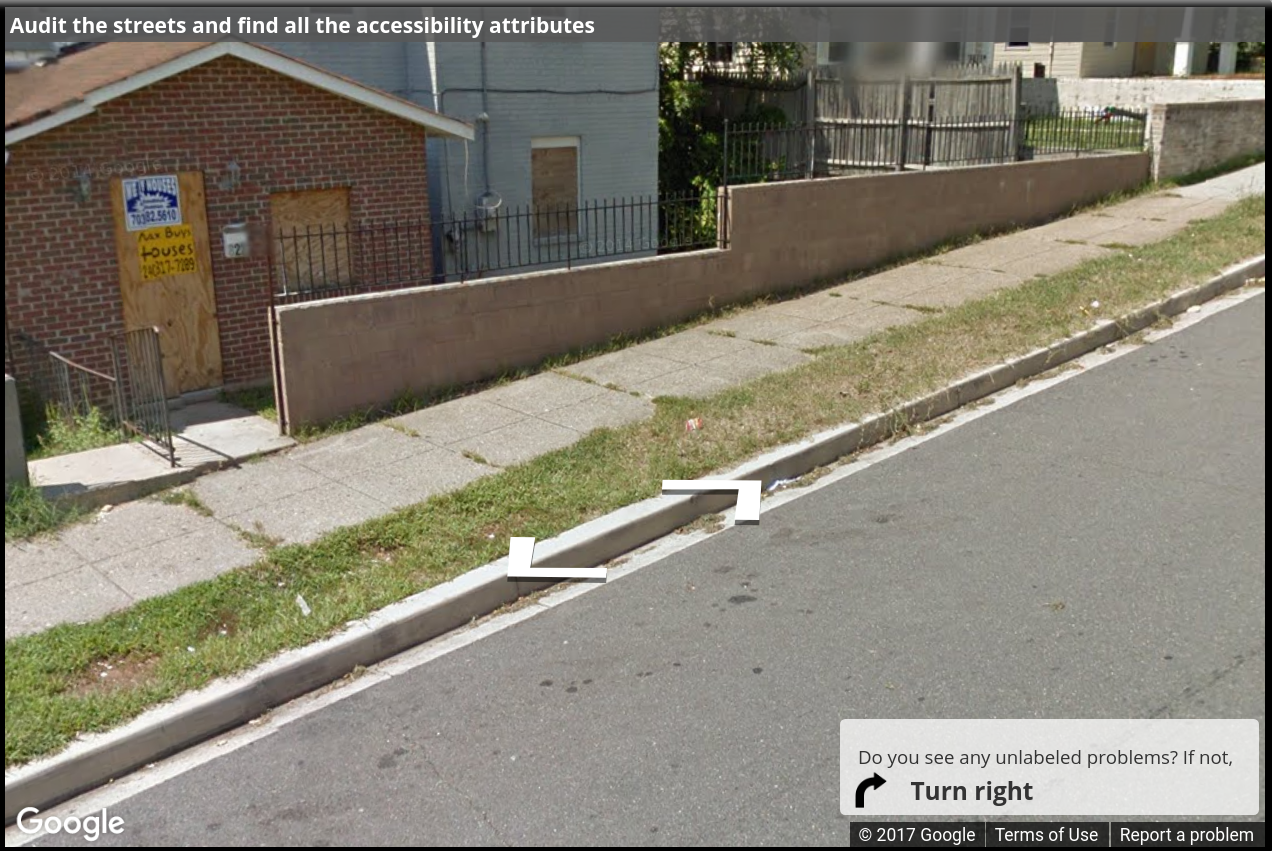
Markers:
(141, 390)
(132, 400)
(326, 261)
(485, 243)
(836, 146)
(1081, 131)
(76, 392)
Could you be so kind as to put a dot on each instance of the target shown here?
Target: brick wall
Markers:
(61, 272)
(1189, 137)
(345, 354)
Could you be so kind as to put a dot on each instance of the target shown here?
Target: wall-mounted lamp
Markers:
(83, 185)
(230, 180)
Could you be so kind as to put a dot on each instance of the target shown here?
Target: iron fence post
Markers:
(724, 176)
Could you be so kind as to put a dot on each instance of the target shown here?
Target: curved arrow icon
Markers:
(521, 555)
(869, 783)
(748, 494)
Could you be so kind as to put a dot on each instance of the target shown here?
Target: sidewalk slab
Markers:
(968, 286)
(145, 548)
(519, 442)
(1057, 258)
(206, 437)
(417, 478)
(111, 474)
(457, 420)
(305, 516)
(112, 560)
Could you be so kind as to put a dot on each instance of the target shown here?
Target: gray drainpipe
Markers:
(484, 118)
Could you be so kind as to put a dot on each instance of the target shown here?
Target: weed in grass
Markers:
(706, 523)
(186, 497)
(76, 432)
(565, 373)
(917, 308)
(401, 429)
(27, 514)
(1116, 246)
(257, 537)
(477, 459)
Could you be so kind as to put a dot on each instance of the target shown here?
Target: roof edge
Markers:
(303, 72)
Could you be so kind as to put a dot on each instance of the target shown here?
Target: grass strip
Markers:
(77, 678)
(28, 514)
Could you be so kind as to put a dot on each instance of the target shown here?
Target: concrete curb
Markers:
(230, 703)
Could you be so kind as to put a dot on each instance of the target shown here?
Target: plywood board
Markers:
(165, 280)
(554, 178)
(314, 248)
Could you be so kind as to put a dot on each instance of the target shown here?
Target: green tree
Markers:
(690, 142)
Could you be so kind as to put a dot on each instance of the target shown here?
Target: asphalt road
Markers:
(1095, 550)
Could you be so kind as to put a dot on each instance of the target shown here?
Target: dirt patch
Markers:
(106, 677)
(224, 625)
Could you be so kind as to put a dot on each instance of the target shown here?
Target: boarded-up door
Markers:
(165, 273)
(313, 243)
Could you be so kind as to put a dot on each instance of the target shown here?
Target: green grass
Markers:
(28, 514)
(186, 497)
(246, 616)
(1059, 134)
(77, 432)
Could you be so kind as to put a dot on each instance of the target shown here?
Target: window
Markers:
(312, 238)
(720, 51)
(1110, 44)
(554, 186)
(840, 51)
(1017, 44)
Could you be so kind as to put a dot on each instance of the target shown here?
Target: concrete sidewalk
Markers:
(152, 547)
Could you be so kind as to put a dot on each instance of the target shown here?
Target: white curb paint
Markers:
(748, 509)
(521, 556)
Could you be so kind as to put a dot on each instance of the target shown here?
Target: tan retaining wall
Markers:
(1189, 137)
(345, 354)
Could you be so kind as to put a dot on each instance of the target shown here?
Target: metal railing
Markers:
(324, 261)
(141, 394)
(328, 261)
(479, 244)
(1083, 131)
(77, 392)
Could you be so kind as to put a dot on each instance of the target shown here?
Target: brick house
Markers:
(134, 170)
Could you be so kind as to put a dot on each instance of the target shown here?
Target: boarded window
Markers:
(554, 179)
(314, 248)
